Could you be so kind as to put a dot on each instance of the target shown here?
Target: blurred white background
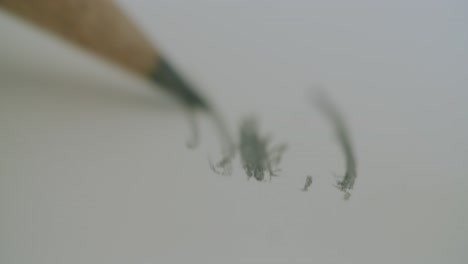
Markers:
(94, 168)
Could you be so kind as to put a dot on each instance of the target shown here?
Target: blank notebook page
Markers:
(94, 166)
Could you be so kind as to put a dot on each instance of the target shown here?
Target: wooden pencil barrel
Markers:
(99, 26)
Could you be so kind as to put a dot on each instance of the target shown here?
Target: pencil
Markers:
(102, 28)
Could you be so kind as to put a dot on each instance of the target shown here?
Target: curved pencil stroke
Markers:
(344, 140)
(222, 167)
(228, 147)
(194, 139)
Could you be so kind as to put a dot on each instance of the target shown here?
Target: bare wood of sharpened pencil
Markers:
(96, 25)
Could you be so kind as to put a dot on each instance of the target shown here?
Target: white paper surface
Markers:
(94, 168)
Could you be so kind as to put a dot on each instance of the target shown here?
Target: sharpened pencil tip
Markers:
(167, 77)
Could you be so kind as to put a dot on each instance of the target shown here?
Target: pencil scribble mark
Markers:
(346, 195)
(222, 167)
(307, 184)
(228, 149)
(194, 139)
(346, 182)
(255, 154)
